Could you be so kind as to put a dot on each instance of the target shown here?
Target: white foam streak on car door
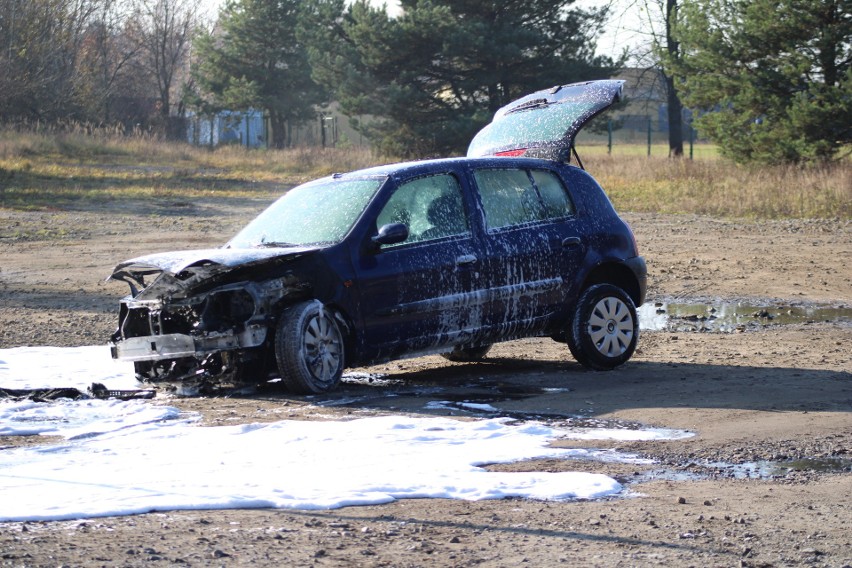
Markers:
(529, 275)
(532, 246)
(416, 299)
(421, 295)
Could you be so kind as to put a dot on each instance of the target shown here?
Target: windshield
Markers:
(317, 213)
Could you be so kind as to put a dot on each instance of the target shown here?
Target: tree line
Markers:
(769, 80)
(95, 61)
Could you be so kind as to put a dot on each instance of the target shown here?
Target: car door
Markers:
(532, 246)
(420, 295)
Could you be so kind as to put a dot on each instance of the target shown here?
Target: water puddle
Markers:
(770, 469)
(694, 471)
(730, 317)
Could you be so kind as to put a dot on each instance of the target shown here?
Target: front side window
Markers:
(517, 196)
(431, 207)
(317, 213)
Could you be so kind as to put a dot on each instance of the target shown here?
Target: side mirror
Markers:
(391, 234)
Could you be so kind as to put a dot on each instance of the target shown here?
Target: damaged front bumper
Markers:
(177, 345)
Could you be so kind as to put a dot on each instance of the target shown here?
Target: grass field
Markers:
(61, 170)
(699, 151)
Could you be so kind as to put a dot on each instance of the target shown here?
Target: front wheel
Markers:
(604, 328)
(309, 348)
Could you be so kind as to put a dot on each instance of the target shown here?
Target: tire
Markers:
(309, 349)
(604, 328)
(467, 354)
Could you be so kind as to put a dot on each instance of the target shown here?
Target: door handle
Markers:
(465, 259)
(571, 242)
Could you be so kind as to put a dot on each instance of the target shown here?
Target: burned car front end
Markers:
(271, 297)
(197, 314)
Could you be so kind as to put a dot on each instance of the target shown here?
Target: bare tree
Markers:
(40, 42)
(657, 22)
(104, 61)
(163, 31)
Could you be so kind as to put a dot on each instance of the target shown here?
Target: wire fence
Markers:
(643, 134)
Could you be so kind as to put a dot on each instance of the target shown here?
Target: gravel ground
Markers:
(780, 394)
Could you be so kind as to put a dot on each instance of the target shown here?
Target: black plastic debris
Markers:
(43, 395)
(97, 390)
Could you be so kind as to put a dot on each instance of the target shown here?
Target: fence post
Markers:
(609, 136)
(649, 136)
(691, 139)
(248, 140)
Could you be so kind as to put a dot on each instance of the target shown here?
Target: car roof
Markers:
(432, 165)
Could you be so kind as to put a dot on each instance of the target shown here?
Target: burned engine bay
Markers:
(198, 320)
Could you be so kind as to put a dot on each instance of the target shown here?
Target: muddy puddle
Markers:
(749, 470)
(770, 469)
(731, 317)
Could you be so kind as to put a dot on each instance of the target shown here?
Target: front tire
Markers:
(604, 329)
(309, 348)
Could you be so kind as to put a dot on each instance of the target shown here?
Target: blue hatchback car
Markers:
(438, 256)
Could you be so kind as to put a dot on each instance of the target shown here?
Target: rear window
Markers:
(514, 196)
(545, 121)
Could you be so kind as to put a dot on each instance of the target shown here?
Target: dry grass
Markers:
(721, 188)
(63, 168)
(108, 149)
(67, 169)
(700, 151)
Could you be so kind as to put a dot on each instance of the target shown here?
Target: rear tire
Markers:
(604, 328)
(467, 354)
(309, 349)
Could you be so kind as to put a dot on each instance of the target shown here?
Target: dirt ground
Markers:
(779, 394)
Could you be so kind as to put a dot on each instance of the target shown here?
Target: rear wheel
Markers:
(604, 329)
(309, 348)
(467, 354)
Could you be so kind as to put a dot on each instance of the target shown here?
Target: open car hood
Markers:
(545, 123)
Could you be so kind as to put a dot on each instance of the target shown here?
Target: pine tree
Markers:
(773, 78)
(253, 59)
(436, 74)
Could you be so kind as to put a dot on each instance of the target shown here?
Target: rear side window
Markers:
(553, 194)
(518, 196)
